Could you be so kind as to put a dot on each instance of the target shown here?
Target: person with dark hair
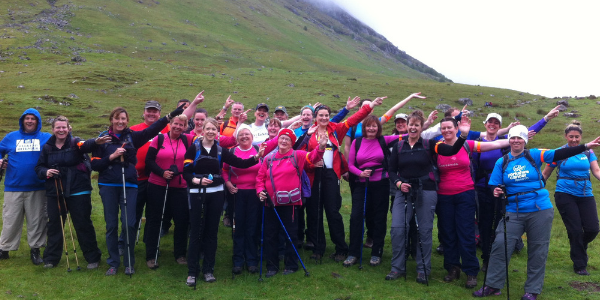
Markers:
(24, 192)
(369, 164)
(325, 178)
(115, 162)
(574, 198)
(202, 171)
(457, 205)
(529, 211)
(412, 171)
(68, 189)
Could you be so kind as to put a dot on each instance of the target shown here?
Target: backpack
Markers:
(304, 180)
(587, 154)
(161, 140)
(530, 159)
(384, 148)
(434, 173)
(199, 152)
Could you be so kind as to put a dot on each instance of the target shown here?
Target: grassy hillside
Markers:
(256, 51)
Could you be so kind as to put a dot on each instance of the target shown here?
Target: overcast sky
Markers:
(541, 47)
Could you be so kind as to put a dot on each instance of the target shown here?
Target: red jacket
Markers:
(340, 165)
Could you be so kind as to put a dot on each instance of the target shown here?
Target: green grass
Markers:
(21, 278)
(252, 50)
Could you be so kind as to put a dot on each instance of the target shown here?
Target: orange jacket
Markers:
(229, 128)
(335, 131)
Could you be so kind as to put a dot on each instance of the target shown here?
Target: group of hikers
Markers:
(272, 180)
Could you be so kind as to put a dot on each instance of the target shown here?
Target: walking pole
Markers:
(137, 236)
(62, 226)
(233, 237)
(262, 235)
(161, 222)
(125, 210)
(491, 241)
(504, 219)
(201, 231)
(289, 238)
(414, 198)
(362, 237)
(68, 222)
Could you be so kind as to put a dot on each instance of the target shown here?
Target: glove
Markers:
(173, 168)
(176, 112)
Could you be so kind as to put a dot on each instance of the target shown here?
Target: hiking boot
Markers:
(151, 264)
(236, 270)
(368, 243)
(350, 261)
(287, 272)
(111, 271)
(393, 275)
(49, 265)
(338, 256)
(191, 281)
(252, 269)
(209, 277)
(3, 254)
(129, 271)
(484, 266)
(226, 221)
(471, 281)
(529, 296)
(453, 274)
(309, 245)
(421, 278)
(316, 256)
(485, 291)
(271, 273)
(375, 261)
(181, 260)
(121, 251)
(92, 266)
(440, 249)
(36, 259)
(582, 272)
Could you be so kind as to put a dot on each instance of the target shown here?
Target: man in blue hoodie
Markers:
(24, 193)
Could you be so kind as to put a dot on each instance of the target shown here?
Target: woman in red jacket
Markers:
(279, 179)
(325, 179)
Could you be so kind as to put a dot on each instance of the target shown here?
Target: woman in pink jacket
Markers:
(280, 187)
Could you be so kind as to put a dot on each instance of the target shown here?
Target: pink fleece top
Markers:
(455, 172)
(164, 159)
(369, 155)
(284, 172)
(244, 179)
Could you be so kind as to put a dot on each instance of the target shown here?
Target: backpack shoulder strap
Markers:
(357, 143)
(353, 132)
(161, 139)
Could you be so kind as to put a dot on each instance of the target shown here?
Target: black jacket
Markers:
(110, 171)
(69, 160)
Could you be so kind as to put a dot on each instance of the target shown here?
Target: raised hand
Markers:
(103, 140)
(199, 98)
(433, 115)
(312, 129)
(316, 105)
(593, 144)
(323, 141)
(553, 113)
(378, 101)
(261, 150)
(465, 125)
(417, 95)
(229, 101)
(243, 116)
(352, 103)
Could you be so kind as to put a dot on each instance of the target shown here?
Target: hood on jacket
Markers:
(30, 111)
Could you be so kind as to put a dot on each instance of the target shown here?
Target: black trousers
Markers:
(177, 202)
(369, 218)
(377, 193)
(203, 231)
(80, 209)
(581, 220)
(325, 195)
(488, 206)
(288, 216)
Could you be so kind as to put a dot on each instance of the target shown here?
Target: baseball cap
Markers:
(153, 104)
(262, 105)
(493, 115)
(519, 131)
(401, 116)
(281, 108)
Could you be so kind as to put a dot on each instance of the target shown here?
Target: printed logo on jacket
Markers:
(519, 173)
(28, 145)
